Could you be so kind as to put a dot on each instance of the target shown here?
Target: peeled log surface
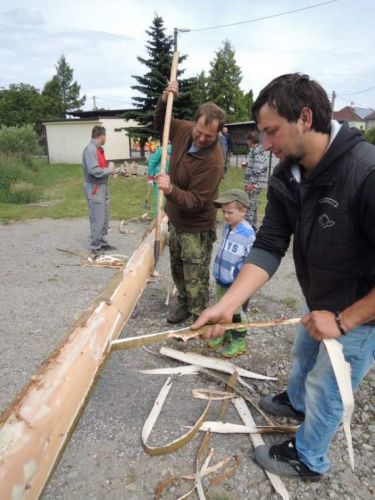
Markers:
(35, 428)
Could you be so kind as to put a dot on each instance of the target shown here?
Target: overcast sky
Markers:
(334, 43)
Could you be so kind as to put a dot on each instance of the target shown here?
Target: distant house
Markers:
(363, 112)
(66, 139)
(354, 115)
(348, 114)
(238, 132)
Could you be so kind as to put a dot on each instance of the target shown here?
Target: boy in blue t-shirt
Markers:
(238, 237)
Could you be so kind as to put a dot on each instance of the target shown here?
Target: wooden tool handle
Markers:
(164, 154)
(187, 333)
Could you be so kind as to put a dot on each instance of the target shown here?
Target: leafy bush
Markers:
(19, 143)
(370, 135)
(240, 150)
(16, 183)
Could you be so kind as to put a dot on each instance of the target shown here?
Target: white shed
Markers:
(66, 139)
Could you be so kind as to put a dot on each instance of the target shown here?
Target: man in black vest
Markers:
(322, 194)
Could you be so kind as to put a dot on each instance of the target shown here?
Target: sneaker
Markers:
(282, 459)
(245, 305)
(178, 314)
(281, 406)
(236, 348)
(95, 253)
(108, 247)
(218, 341)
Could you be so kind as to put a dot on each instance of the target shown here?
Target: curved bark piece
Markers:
(176, 370)
(228, 428)
(213, 394)
(257, 440)
(39, 422)
(341, 369)
(153, 416)
(221, 365)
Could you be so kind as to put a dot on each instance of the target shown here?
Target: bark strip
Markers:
(153, 416)
(246, 417)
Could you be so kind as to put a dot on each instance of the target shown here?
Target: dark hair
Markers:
(97, 131)
(290, 93)
(210, 111)
(253, 137)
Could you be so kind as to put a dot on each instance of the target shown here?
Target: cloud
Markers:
(101, 44)
(23, 17)
(29, 51)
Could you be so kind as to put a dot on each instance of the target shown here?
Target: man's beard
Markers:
(293, 159)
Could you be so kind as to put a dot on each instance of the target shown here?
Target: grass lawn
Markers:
(64, 182)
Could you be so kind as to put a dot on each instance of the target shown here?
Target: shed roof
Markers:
(96, 113)
(363, 112)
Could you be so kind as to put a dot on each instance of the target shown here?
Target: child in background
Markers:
(154, 164)
(238, 237)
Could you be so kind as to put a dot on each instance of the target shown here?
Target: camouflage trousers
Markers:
(190, 255)
(252, 212)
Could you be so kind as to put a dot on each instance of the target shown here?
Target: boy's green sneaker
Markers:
(218, 341)
(235, 348)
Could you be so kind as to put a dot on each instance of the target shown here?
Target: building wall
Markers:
(67, 139)
(370, 123)
(357, 124)
(117, 144)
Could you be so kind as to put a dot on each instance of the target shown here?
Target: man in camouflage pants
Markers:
(255, 176)
(191, 273)
(196, 168)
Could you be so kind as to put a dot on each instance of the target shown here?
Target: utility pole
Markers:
(175, 35)
(94, 101)
(333, 101)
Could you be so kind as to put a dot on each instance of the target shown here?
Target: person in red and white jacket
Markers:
(96, 172)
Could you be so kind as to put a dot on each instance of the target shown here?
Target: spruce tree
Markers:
(61, 93)
(151, 85)
(198, 90)
(223, 84)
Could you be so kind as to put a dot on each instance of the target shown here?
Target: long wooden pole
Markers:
(37, 426)
(164, 154)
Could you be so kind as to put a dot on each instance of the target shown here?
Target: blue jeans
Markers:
(312, 388)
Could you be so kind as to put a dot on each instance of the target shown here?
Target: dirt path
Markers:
(44, 290)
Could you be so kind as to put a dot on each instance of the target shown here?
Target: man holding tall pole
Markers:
(196, 167)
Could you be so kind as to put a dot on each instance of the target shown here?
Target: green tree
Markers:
(150, 86)
(21, 104)
(61, 93)
(20, 142)
(223, 84)
(198, 90)
(242, 107)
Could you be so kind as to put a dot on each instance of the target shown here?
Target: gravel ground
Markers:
(43, 291)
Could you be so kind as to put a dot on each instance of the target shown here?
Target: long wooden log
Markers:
(37, 425)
